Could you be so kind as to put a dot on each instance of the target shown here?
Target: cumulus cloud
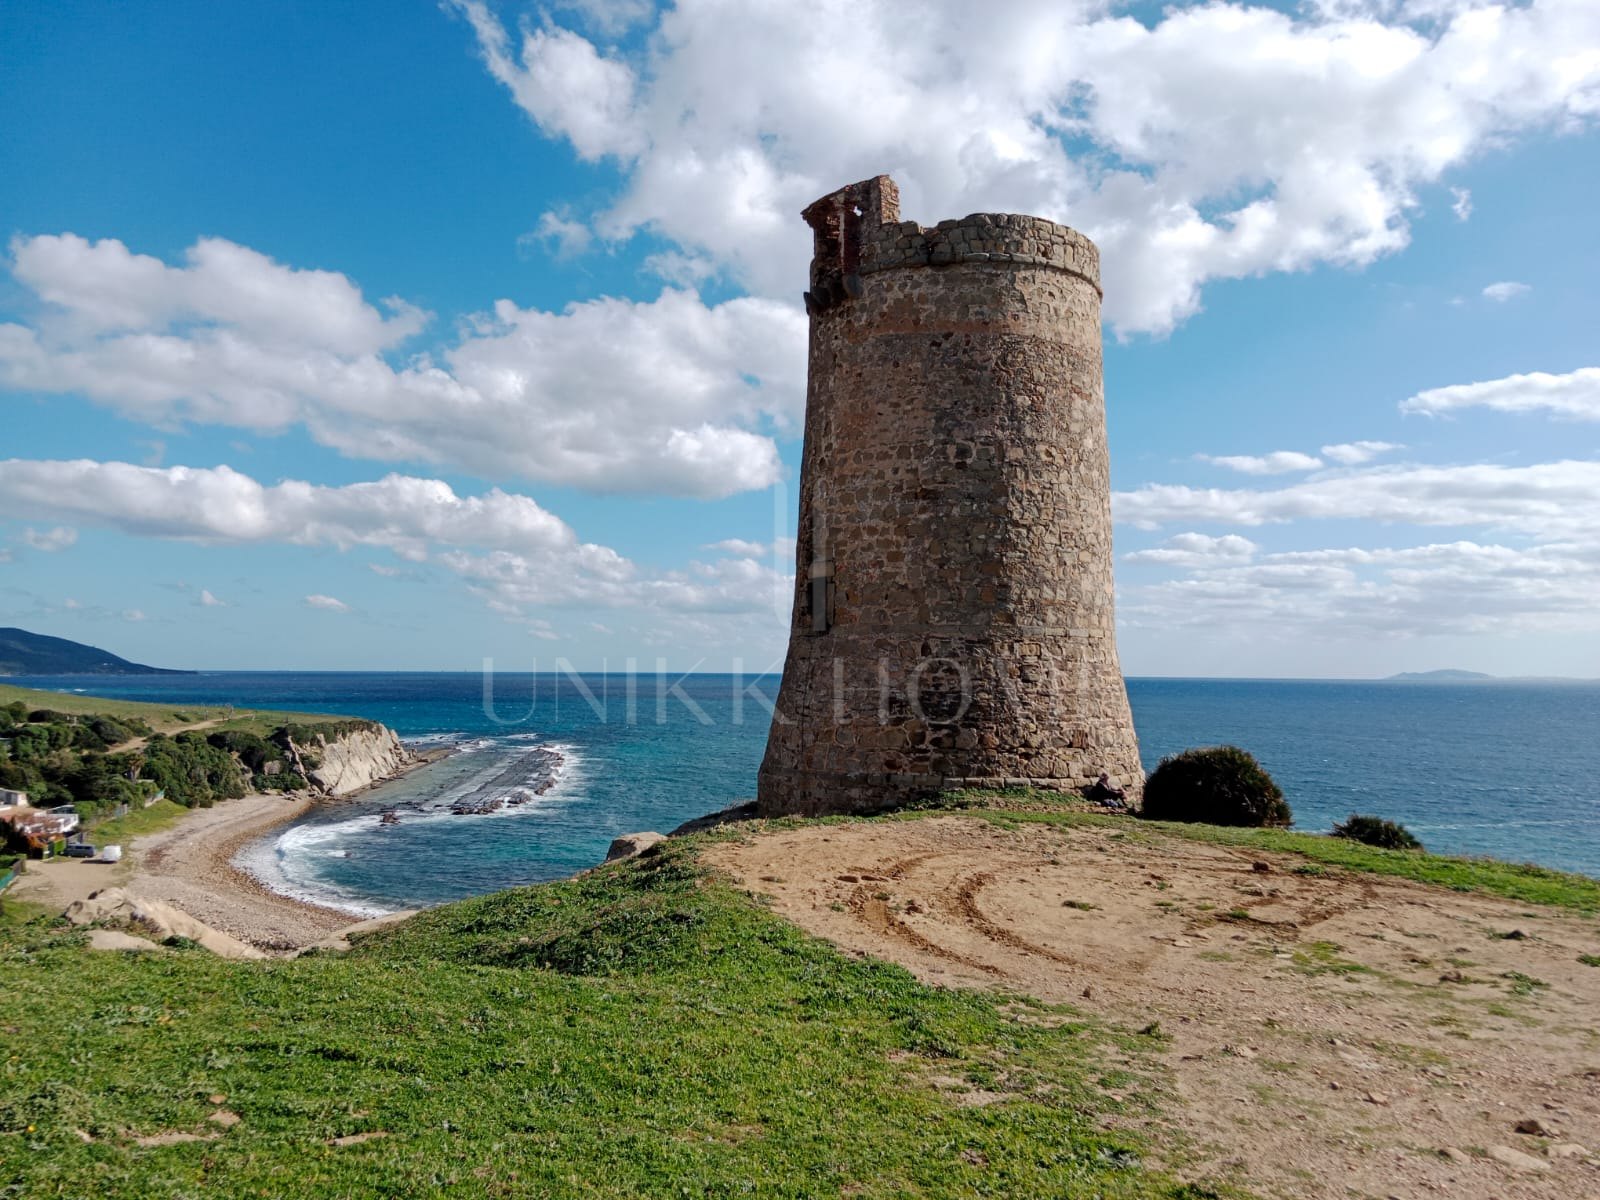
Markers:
(1574, 396)
(1279, 462)
(1546, 501)
(1216, 141)
(207, 600)
(1505, 290)
(326, 603)
(670, 395)
(1461, 203)
(50, 540)
(1352, 454)
(510, 551)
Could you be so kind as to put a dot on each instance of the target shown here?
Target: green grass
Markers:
(646, 1030)
(138, 823)
(1322, 958)
(1526, 883)
(1589, 960)
(15, 913)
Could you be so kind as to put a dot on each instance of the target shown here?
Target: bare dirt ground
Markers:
(1327, 1035)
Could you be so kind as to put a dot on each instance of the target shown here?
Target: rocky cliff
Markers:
(354, 760)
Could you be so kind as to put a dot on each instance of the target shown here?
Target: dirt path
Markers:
(140, 743)
(1328, 1035)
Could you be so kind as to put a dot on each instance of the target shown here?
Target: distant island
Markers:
(24, 653)
(1449, 675)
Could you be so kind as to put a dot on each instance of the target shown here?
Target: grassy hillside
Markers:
(644, 1031)
(163, 718)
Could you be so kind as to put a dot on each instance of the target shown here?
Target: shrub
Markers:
(1217, 785)
(1375, 831)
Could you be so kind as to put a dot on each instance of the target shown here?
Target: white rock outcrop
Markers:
(118, 906)
(356, 760)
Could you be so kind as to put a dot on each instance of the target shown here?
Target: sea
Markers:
(1507, 769)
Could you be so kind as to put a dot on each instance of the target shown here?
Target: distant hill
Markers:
(24, 653)
(1446, 676)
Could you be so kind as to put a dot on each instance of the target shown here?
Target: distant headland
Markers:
(1448, 675)
(24, 653)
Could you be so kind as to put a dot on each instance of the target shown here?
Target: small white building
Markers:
(13, 799)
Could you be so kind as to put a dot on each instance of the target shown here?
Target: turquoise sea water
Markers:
(1503, 768)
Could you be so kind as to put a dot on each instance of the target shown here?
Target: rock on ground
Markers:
(632, 845)
(341, 940)
(115, 939)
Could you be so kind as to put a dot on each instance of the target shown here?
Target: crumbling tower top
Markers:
(836, 223)
(857, 232)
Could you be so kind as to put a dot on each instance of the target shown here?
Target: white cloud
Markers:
(1574, 396)
(1547, 501)
(1279, 462)
(132, 614)
(1196, 550)
(1218, 141)
(50, 540)
(610, 17)
(1506, 290)
(102, 287)
(327, 603)
(566, 238)
(207, 600)
(511, 552)
(671, 395)
(1352, 454)
(743, 548)
(1454, 588)
(564, 83)
(1461, 203)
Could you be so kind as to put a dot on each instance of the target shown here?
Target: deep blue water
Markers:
(1503, 768)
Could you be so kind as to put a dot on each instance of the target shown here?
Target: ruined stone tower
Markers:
(953, 619)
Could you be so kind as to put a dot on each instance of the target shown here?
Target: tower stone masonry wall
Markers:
(954, 618)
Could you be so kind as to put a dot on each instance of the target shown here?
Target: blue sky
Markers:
(405, 335)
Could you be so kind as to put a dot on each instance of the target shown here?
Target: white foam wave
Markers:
(280, 865)
(288, 864)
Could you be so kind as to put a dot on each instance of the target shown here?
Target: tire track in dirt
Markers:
(1294, 1070)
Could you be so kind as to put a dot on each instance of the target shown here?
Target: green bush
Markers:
(1375, 831)
(253, 750)
(191, 771)
(283, 781)
(1217, 785)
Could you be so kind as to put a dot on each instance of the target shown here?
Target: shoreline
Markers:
(190, 865)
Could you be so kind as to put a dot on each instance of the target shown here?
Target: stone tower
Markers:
(953, 620)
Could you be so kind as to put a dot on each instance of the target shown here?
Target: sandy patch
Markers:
(189, 865)
(1329, 1035)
